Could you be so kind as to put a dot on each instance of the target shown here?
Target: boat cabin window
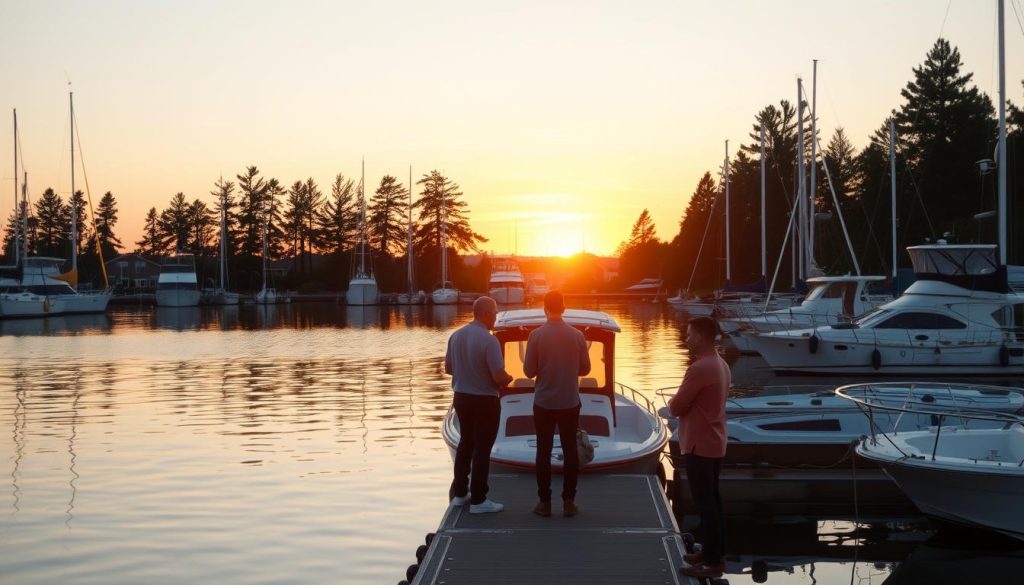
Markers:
(920, 320)
(1009, 316)
(515, 353)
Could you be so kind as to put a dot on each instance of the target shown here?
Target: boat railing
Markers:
(869, 398)
(637, 397)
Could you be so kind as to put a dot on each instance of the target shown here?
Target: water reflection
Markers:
(149, 435)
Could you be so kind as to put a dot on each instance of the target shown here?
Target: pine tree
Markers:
(225, 203)
(150, 244)
(83, 232)
(53, 219)
(337, 220)
(175, 225)
(454, 213)
(106, 219)
(202, 227)
(386, 216)
(643, 233)
(251, 212)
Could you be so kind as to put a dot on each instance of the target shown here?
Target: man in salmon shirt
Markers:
(700, 406)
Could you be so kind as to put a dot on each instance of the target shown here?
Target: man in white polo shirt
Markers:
(476, 366)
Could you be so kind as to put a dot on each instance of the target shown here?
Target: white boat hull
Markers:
(177, 298)
(85, 302)
(508, 295)
(27, 305)
(964, 484)
(362, 292)
(445, 296)
(789, 353)
(633, 446)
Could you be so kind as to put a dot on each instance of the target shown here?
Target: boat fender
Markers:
(421, 551)
(429, 538)
(410, 573)
(876, 359)
(403, 582)
(812, 343)
(1004, 355)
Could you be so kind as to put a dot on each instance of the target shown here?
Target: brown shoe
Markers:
(569, 508)
(694, 558)
(542, 509)
(704, 570)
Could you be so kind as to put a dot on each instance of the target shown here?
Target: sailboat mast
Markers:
(362, 221)
(17, 223)
(74, 207)
(728, 254)
(408, 245)
(813, 191)
(24, 217)
(764, 242)
(444, 242)
(892, 190)
(1002, 162)
(223, 231)
(801, 191)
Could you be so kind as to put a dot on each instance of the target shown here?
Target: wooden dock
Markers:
(624, 533)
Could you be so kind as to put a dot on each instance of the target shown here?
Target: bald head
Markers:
(485, 310)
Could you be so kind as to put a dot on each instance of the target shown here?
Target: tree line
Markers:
(944, 126)
(317, 228)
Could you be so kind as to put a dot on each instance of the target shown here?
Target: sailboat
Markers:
(362, 287)
(43, 290)
(267, 295)
(412, 297)
(220, 295)
(445, 293)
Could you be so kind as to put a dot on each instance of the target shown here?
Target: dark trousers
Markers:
(567, 420)
(702, 475)
(478, 428)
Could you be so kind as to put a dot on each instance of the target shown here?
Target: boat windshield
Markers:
(515, 353)
(870, 316)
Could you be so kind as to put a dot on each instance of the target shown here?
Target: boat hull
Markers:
(508, 295)
(953, 495)
(29, 305)
(177, 298)
(82, 303)
(445, 296)
(362, 292)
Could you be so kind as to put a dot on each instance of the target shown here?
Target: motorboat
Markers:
(177, 285)
(537, 286)
(966, 469)
(506, 285)
(958, 318)
(647, 287)
(623, 426)
(693, 306)
(831, 300)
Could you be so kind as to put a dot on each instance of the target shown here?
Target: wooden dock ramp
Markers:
(625, 533)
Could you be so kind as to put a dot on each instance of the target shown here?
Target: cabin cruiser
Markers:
(177, 285)
(537, 286)
(958, 318)
(44, 291)
(966, 469)
(647, 286)
(831, 300)
(623, 427)
(818, 428)
(506, 285)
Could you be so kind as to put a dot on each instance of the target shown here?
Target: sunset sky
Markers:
(565, 119)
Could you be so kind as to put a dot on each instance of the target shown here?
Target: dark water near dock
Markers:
(300, 444)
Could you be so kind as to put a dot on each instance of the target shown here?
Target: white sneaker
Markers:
(486, 507)
(457, 501)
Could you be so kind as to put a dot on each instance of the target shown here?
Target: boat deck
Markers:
(624, 533)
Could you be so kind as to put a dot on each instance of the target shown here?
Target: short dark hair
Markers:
(554, 303)
(706, 327)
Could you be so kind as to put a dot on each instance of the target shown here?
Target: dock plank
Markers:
(625, 533)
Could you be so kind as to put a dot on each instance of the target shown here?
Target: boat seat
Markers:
(520, 425)
(522, 383)
(588, 383)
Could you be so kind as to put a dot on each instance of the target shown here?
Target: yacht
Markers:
(966, 469)
(536, 286)
(177, 285)
(43, 291)
(647, 286)
(958, 318)
(506, 285)
(831, 300)
(625, 430)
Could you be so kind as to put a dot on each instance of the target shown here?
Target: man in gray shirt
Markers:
(556, 354)
(476, 366)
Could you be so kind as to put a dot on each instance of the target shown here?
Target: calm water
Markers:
(291, 444)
